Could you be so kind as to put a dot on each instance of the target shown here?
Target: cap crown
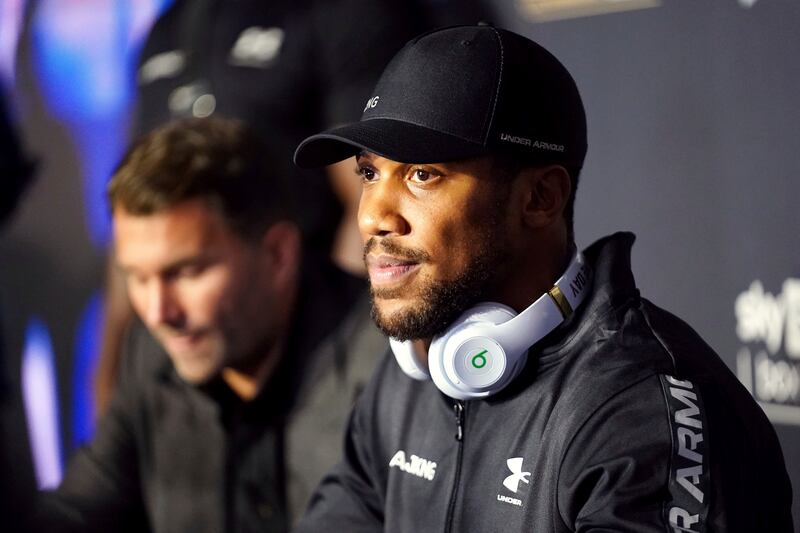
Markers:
(446, 81)
(463, 92)
(490, 87)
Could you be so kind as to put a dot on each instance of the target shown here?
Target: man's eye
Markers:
(190, 271)
(366, 173)
(135, 279)
(422, 175)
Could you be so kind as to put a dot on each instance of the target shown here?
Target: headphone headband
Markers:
(486, 347)
(549, 310)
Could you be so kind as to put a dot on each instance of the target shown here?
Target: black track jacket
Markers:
(624, 420)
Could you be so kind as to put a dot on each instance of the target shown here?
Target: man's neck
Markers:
(248, 380)
(246, 384)
(524, 285)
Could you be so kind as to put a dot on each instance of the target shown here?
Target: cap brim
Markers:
(393, 139)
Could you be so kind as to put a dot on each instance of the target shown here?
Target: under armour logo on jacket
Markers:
(512, 481)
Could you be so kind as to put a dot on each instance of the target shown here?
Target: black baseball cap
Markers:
(463, 92)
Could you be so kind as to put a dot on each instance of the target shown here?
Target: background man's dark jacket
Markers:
(170, 457)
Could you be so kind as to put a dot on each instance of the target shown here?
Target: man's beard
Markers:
(440, 302)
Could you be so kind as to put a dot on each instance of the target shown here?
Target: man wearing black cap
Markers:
(535, 389)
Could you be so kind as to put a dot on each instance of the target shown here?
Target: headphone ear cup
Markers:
(407, 359)
(475, 323)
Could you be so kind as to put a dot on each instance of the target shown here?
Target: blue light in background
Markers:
(83, 371)
(85, 53)
(39, 393)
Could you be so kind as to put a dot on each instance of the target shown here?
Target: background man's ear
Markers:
(281, 245)
(546, 192)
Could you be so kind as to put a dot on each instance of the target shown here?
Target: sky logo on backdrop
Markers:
(768, 363)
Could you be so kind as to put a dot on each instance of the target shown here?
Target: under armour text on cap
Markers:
(463, 92)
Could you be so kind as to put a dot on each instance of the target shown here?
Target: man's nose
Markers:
(379, 210)
(161, 306)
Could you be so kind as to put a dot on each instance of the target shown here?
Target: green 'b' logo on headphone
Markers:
(479, 360)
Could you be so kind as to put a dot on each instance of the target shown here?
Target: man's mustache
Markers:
(389, 247)
(173, 330)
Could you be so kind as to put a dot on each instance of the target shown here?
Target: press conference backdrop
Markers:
(693, 144)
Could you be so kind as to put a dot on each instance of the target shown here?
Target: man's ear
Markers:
(545, 193)
(281, 246)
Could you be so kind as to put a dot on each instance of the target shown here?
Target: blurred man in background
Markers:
(232, 398)
(288, 69)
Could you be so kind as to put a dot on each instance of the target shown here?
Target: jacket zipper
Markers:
(458, 409)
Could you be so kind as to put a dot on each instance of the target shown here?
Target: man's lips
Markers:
(182, 342)
(386, 269)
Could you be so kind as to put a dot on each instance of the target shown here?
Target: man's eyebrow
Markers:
(171, 267)
(364, 154)
(185, 261)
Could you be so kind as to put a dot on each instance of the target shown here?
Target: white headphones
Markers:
(486, 347)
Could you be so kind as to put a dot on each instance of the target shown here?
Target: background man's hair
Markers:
(507, 167)
(221, 161)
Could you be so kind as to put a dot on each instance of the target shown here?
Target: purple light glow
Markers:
(41, 405)
(10, 27)
(85, 55)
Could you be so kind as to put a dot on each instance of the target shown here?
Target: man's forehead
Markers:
(184, 229)
(192, 215)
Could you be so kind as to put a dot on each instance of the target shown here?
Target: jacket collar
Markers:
(613, 284)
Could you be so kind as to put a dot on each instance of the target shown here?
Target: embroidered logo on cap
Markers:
(524, 141)
(372, 102)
